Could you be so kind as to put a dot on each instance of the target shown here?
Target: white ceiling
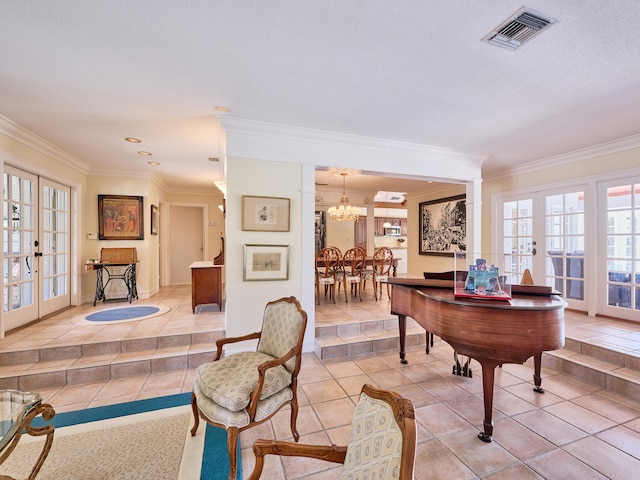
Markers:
(84, 74)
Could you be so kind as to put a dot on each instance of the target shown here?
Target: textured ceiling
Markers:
(85, 74)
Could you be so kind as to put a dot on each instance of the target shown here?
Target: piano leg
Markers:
(488, 370)
(537, 379)
(402, 326)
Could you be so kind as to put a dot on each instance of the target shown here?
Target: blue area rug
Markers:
(215, 461)
(124, 313)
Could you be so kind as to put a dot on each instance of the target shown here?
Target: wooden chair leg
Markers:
(294, 419)
(232, 449)
(196, 414)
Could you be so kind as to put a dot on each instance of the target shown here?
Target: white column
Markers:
(474, 216)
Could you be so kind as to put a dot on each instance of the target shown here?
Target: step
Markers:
(371, 336)
(603, 367)
(52, 367)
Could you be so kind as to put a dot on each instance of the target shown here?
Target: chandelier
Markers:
(344, 211)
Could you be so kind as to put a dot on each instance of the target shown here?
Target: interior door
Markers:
(186, 241)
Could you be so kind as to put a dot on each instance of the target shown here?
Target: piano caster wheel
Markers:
(538, 389)
(403, 361)
(484, 437)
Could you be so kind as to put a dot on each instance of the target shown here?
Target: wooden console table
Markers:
(206, 284)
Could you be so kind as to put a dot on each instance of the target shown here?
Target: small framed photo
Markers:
(266, 262)
(265, 214)
(120, 217)
(154, 220)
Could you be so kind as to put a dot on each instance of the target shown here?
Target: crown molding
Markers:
(601, 149)
(31, 140)
(334, 139)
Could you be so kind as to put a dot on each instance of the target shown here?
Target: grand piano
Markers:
(491, 332)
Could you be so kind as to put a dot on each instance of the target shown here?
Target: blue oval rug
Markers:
(124, 313)
(121, 314)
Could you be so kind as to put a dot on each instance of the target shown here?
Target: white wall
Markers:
(246, 299)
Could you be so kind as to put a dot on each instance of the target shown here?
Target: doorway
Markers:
(544, 232)
(186, 241)
(36, 240)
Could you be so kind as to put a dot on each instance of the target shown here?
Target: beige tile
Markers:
(560, 465)
(335, 413)
(609, 461)
(435, 462)
(323, 391)
(550, 427)
(480, 457)
(580, 417)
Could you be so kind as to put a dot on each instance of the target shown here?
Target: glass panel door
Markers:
(557, 219)
(19, 287)
(518, 242)
(621, 290)
(54, 247)
(564, 245)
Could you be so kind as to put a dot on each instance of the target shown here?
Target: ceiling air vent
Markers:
(519, 28)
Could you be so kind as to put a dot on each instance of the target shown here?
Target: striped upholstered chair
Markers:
(244, 389)
(382, 443)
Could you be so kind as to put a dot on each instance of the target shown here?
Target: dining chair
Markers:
(353, 263)
(381, 265)
(245, 389)
(382, 444)
(328, 271)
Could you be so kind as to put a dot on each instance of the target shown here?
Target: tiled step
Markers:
(357, 338)
(53, 367)
(606, 368)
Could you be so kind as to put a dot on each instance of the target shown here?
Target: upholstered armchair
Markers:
(382, 444)
(244, 389)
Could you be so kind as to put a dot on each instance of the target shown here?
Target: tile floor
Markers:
(572, 431)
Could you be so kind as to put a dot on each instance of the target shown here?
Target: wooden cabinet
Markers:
(206, 284)
(395, 222)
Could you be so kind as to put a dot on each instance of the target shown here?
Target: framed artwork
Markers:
(443, 226)
(265, 214)
(120, 217)
(266, 262)
(154, 220)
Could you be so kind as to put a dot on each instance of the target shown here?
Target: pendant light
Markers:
(344, 211)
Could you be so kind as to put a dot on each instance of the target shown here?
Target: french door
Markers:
(620, 247)
(544, 232)
(36, 239)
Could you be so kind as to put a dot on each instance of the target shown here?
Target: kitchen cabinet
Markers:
(395, 222)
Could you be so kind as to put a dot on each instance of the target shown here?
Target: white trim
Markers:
(614, 146)
(296, 145)
(22, 135)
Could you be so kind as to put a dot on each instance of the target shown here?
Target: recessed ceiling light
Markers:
(133, 140)
(153, 163)
(223, 109)
(145, 154)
